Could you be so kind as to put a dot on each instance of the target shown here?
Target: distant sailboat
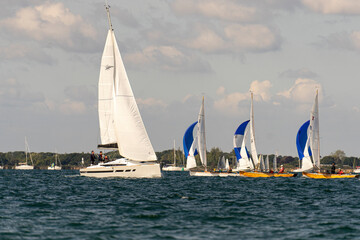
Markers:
(173, 167)
(244, 162)
(227, 165)
(275, 162)
(24, 165)
(308, 146)
(121, 125)
(221, 164)
(56, 165)
(189, 144)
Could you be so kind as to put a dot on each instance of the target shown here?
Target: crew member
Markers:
(333, 168)
(281, 169)
(92, 158)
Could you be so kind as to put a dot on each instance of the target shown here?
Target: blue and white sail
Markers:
(189, 145)
(242, 156)
(302, 144)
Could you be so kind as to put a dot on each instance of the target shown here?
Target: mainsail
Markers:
(314, 132)
(242, 155)
(122, 121)
(252, 135)
(189, 146)
(201, 135)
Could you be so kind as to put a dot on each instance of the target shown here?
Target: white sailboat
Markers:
(254, 155)
(173, 167)
(121, 125)
(267, 164)
(24, 165)
(275, 162)
(56, 165)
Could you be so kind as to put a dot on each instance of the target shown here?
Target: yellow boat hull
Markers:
(328, 175)
(266, 175)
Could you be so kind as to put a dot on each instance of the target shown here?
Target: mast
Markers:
(107, 7)
(174, 155)
(252, 136)
(26, 145)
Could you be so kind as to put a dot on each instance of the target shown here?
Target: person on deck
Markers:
(281, 169)
(92, 158)
(101, 159)
(271, 171)
(333, 168)
(106, 158)
(340, 171)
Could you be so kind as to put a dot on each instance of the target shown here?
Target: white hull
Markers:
(24, 167)
(54, 168)
(173, 169)
(123, 168)
(356, 170)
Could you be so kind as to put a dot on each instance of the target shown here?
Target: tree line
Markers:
(74, 160)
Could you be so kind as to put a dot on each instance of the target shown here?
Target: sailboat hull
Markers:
(173, 169)
(54, 168)
(212, 174)
(132, 171)
(24, 167)
(328, 175)
(266, 175)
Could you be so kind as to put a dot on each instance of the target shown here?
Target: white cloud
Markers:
(303, 91)
(333, 6)
(230, 103)
(51, 23)
(220, 91)
(150, 102)
(261, 90)
(169, 58)
(207, 41)
(70, 107)
(221, 9)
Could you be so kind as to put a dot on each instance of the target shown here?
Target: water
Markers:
(62, 205)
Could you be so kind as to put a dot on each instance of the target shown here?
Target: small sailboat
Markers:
(201, 142)
(24, 165)
(308, 146)
(221, 164)
(257, 164)
(173, 167)
(121, 125)
(56, 165)
(244, 162)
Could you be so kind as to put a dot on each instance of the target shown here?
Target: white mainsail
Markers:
(201, 135)
(131, 137)
(314, 132)
(106, 94)
(252, 136)
(227, 165)
(275, 162)
(306, 161)
(267, 163)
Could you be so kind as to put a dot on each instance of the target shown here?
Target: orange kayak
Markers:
(329, 175)
(264, 175)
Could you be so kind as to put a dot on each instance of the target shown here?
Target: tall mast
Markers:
(107, 7)
(174, 155)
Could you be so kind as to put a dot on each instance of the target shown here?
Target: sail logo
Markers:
(107, 67)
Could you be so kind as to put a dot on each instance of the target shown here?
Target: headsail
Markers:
(189, 146)
(302, 144)
(201, 135)
(252, 135)
(131, 137)
(242, 155)
(221, 163)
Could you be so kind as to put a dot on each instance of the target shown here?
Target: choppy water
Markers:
(43, 204)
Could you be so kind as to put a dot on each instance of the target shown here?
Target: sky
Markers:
(175, 52)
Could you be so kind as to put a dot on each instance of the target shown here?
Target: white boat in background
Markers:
(56, 165)
(24, 165)
(121, 125)
(173, 167)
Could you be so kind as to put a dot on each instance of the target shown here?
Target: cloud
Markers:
(168, 58)
(298, 73)
(150, 102)
(69, 107)
(52, 23)
(344, 40)
(333, 6)
(220, 9)
(303, 91)
(18, 52)
(231, 103)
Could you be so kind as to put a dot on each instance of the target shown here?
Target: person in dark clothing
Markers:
(333, 168)
(101, 159)
(92, 158)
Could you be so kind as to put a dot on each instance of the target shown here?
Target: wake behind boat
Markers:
(121, 125)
